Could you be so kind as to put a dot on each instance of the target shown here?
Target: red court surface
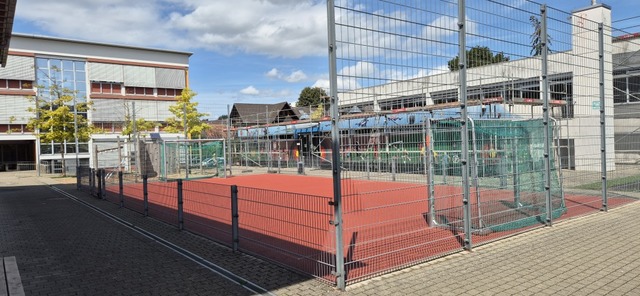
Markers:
(288, 218)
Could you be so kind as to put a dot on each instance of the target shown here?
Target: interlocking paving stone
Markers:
(592, 255)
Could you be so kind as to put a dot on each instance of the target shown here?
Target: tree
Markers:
(317, 113)
(195, 125)
(223, 117)
(141, 123)
(536, 37)
(476, 57)
(311, 96)
(55, 118)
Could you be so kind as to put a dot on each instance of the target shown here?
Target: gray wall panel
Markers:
(19, 68)
(15, 106)
(106, 72)
(139, 76)
(170, 78)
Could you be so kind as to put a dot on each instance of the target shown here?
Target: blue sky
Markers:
(250, 51)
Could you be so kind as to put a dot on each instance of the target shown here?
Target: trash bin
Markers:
(300, 168)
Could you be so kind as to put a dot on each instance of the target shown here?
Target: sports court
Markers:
(386, 225)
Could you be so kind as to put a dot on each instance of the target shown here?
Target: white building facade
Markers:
(111, 77)
(574, 91)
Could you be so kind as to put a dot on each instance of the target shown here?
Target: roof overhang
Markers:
(7, 13)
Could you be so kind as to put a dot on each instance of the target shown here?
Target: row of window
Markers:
(56, 148)
(560, 89)
(116, 88)
(16, 84)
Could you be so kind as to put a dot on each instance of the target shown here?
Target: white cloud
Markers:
(278, 28)
(296, 76)
(250, 90)
(447, 26)
(273, 73)
(360, 69)
(322, 83)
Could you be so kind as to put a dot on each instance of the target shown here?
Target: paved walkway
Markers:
(64, 248)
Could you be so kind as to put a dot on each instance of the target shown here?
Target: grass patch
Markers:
(611, 183)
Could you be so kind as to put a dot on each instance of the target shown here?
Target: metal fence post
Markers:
(603, 141)
(99, 183)
(180, 203)
(103, 181)
(516, 174)
(92, 181)
(234, 217)
(78, 177)
(120, 189)
(464, 131)
(545, 110)
(145, 194)
(393, 168)
(340, 272)
(368, 168)
(445, 167)
(429, 171)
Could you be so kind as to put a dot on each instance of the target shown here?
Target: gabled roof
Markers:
(7, 13)
(262, 113)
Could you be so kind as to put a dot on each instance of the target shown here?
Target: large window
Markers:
(562, 90)
(69, 74)
(626, 89)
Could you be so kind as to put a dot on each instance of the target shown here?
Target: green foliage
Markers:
(536, 37)
(311, 96)
(195, 125)
(317, 113)
(478, 56)
(55, 120)
(141, 123)
(223, 117)
(54, 116)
